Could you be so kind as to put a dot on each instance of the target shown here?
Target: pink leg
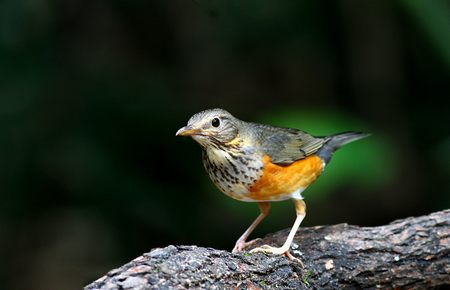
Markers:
(300, 208)
(241, 243)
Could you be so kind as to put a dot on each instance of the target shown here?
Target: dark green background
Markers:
(92, 93)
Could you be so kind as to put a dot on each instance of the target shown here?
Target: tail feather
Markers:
(336, 141)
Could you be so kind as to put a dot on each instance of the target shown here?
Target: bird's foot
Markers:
(276, 251)
(242, 245)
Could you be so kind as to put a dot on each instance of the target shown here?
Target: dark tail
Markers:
(336, 141)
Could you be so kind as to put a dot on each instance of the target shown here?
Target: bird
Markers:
(253, 162)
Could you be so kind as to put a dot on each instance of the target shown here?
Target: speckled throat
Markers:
(233, 168)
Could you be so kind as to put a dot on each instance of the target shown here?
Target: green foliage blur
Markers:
(92, 93)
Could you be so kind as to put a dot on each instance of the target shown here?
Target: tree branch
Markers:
(413, 253)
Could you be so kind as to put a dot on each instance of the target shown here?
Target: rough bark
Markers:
(413, 253)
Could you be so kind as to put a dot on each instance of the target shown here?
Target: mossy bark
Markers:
(413, 253)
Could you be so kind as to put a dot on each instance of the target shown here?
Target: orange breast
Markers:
(279, 181)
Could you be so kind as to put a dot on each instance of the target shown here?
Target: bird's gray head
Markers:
(215, 126)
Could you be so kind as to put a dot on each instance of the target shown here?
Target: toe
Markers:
(237, 249)
(266, 249)
(292, 258)
(276, 251)
(240, 245)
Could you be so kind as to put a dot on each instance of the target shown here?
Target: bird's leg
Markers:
(241, 243)
(300, 209)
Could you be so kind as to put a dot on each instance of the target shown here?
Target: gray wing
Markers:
(285, 146)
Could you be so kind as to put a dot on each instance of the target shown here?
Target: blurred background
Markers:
(92, 93)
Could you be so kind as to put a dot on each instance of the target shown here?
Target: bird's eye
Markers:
(215, 122)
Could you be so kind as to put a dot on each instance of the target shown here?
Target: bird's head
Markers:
(211, 127)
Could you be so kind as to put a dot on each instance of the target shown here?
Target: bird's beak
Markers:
(187, 131)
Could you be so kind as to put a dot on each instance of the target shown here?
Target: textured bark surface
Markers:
(413, 253)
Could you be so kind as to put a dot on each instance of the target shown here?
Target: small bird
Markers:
(260, 163)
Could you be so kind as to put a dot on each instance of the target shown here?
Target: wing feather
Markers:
(284, 145)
